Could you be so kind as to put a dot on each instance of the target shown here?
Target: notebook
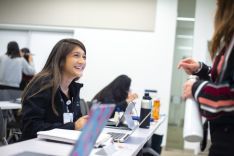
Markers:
(122, 137)
(125, 117)
(68, 136)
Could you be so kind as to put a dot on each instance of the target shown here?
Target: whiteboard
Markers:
(21, 37)
(40, 43)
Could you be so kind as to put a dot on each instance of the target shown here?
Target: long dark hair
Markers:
(224, 27)
(13, 49)
(50, 76)
(118, 89)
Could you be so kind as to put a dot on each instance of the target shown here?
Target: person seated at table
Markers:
(25, 78)
(51, 99)
(117, 92)
(12, 65)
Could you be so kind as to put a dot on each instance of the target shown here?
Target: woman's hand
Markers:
(189, 65)
(81, 122)
(30, 58)
(187, 89)
(131, 97)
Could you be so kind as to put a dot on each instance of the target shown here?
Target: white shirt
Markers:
(11, 70)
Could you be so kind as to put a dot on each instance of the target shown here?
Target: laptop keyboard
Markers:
(116, 136)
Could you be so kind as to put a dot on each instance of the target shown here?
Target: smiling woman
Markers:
(51, 100)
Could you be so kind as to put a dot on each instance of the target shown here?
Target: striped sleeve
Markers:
(204, 71)
(214, 98)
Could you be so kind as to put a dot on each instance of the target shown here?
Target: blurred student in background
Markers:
(12, 65)
(117, 92)
(25, 78)
(51, 99)
(215, 94)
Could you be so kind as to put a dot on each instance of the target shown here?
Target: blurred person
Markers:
(12, 65)
(117, 92)
(214, 91)
(51, 99)
(25, 78)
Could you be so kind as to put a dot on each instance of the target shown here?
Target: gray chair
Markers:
(84, 107)
(3, 140)
(12, 129)
(9, 94)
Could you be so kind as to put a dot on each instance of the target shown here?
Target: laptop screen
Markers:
(98, 117)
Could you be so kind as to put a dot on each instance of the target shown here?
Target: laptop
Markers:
(98, 116)
(122, 137)
(125, 121)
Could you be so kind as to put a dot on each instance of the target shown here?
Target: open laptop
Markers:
(98, 116)
(122, 137)
(125, 121)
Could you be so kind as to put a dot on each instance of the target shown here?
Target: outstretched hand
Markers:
(131, 97)
(189, 65)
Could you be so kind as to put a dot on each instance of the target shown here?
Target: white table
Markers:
(132, 146)
(5, 105)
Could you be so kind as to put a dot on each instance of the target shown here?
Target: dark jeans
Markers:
(222, 139)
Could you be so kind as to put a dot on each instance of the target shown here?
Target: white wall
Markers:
(203, 29)
(146, 57)
(40, 42)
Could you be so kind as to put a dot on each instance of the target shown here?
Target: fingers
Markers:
(187, 89)
(81, 122)
(189, 65)
(85, 117)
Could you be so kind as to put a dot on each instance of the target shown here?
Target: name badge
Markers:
(67, 117)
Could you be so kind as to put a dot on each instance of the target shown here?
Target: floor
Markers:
(176, 152)
(175, 143)
(175, 137)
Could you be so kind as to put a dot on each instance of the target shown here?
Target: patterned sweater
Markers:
(215, 89)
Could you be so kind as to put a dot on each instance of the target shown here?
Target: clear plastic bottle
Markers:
(156, 108)
(155, 103)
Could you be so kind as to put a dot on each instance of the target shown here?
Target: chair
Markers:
(12, 128)
(3, 140)
(9, 94)
(153, 146)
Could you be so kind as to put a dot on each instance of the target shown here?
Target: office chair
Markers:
(3, 140)
(148, 150)
(12, 128)
(153, 146)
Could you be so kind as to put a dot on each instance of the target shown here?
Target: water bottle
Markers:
(146, 105)
(193, 130)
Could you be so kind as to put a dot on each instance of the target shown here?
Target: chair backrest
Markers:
(9, 94)
(89, 103)
(3, 126)
(84, 107)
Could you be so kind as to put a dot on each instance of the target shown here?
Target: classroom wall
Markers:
(145, 56)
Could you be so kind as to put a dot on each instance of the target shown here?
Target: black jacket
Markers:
(37, 113)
